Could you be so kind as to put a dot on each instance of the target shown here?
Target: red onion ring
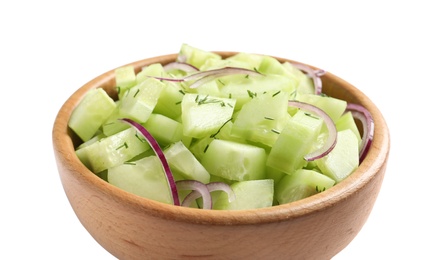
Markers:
(212, 186)
(197, 187)
(158, 151)
(332, 130)
(215, 72)
(314, 74)
(363, 115)
(180, 66)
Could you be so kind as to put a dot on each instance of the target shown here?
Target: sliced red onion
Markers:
(212, 186)
(158, 151)
(215, 72)
(332, 130)
(362, 114)
(198, 187)
(180, 66)
(314, 74)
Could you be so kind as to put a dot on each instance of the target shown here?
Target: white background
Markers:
(49, 49)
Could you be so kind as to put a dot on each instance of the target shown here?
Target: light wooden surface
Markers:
(131, 227)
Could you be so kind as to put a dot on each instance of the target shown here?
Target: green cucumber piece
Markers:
(343, 159)
(251, 60)
(112, 124)
(185, 163)
(92, 111)
(196, 56)
(294, 142)
(139, 101)
(334, 107)
(169, 102)
(305, 84)
(153, 70)
(260, 119)
(234, 161)
(301, 184)
(243, 88)
(251, 194)
(144, 177)
(346, 121)
(112, 150)
(203, 115)
(164, 129)
(125, 78)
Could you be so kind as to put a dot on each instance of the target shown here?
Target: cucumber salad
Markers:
(204, 131)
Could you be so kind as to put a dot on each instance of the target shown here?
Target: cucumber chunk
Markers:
(294, 142)
(164, 129)
(261, 118)
(144, 177)
(332, 106)
(139, 101)
(196, 56)
(203, 115)
(343, 159)
(248, 195)
(184, 162)
(125, 78)
(112, 150)
(92, 111)
(346, 121)
(235, 161)
(301, 184)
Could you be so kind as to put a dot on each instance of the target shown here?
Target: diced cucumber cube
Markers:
(139, 101)
(251, 194)
(251, 60)
(343, 159)
(301, 184)
(169, 103)
(332, 106)
(196, 56)
(164, 129)
(305, 84)
(154, 70)
(235, 161)
(144, 178)
(125, 78)
(113, 125)
(270, 65)
(112, 150)
(203, 115)
(294, 142)
(346, 121)
(92, 111)
(244, 89)
(185, 163)
(260, 119)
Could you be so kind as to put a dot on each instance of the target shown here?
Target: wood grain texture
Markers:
(131, 227)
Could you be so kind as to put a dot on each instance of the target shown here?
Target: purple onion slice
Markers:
(159, 152)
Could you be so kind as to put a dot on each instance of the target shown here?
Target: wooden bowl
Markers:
(132, 227)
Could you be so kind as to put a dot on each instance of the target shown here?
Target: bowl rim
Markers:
(375, 158)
